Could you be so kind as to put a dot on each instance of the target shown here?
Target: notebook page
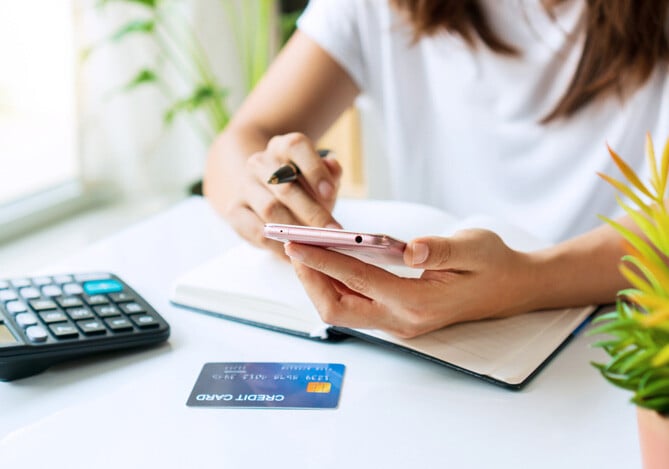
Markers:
(508, 349)
(250, 284)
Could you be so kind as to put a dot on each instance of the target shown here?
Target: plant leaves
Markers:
(629, 173)
(134, 27)
(662, 357)
(626, 191)
(200, 97)
(151, 4)
(144, 76)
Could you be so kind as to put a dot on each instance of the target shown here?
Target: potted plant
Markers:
(638, 346)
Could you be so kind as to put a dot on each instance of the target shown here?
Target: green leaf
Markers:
(660, 387)
(654, 174)
(134, 27)
(664, 170)
(151, 4)
(143, 77)
(659, 404)
(662, 357)
(200, 97)
(636, 360)
(635, 240)
(626, 191)
(619, 325)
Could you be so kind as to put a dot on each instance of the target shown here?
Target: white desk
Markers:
(129, 409)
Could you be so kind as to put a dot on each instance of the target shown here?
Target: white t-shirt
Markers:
(460, 128)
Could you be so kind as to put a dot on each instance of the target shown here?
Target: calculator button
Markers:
(29, 293)
(79, 313)
(16, 306)
(7, 295)
(20, 282)
(81, 278)
(53, 316)
(94, 327)
(96, 300)
(40, 281)
(106, 311)
(69, 301)
(26, 319)
(64, 330)
(145, 321)
(42, 305)
(61, 279)
(72, 289)
(132, 308)
(51, 290)
(121, 297)
(96, 287)
(119, 324)
(4, 284)
(36, 334)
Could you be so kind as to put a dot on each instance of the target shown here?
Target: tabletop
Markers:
(128, 409)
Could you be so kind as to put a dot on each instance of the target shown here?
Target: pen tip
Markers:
(273, 180)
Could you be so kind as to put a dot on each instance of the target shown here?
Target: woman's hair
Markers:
(624, 40)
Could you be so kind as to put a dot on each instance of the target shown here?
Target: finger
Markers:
(247, 224)
(303, 206)
(296, 147)
(268, 207)
(337, 304)
(364, 279)
(466, 250)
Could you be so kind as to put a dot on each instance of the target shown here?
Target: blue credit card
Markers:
(285, 385)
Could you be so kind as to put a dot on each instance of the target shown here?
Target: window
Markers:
(39, 162)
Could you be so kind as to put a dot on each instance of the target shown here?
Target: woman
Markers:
(486, 106)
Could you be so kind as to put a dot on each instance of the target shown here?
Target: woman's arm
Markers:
(471, 275)
(301, 95)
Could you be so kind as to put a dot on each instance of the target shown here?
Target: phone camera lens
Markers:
(358, 239)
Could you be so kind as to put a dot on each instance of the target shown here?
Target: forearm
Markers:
(582, 270)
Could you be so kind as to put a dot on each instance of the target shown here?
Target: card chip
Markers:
(316, 386)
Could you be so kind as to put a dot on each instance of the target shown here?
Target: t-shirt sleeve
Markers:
(334, 26)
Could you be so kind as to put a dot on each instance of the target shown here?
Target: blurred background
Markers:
(108, 107)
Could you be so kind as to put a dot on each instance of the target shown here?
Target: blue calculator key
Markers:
(97, 287)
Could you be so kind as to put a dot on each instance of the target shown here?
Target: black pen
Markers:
(289, 171)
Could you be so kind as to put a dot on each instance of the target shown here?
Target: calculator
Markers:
(49, 319)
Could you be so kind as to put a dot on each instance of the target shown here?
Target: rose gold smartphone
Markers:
(368, 247)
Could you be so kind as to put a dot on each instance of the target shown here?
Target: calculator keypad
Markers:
(69, 307)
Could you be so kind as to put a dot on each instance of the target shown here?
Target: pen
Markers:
(289, 171)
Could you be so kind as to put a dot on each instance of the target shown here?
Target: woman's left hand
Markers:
(471, 275)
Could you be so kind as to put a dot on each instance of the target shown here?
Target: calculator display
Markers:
(6, 336)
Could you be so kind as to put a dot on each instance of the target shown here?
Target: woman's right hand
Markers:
(247, 201)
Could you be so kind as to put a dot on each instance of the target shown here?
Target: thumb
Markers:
(465, 250)
(429, 252)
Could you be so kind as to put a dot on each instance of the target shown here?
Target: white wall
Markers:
(124, 140)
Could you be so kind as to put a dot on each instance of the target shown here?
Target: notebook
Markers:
(255, 287)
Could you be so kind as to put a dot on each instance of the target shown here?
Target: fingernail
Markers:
(325, 189)
(420, 252)
(292, 252)
(335, 226)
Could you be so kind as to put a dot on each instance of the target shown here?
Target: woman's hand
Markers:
(247, 201)
(471, 275)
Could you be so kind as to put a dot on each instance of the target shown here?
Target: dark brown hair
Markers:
(624, 41)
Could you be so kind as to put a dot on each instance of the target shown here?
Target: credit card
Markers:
(263, 385)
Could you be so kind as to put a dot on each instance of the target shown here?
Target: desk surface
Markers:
(129, 409)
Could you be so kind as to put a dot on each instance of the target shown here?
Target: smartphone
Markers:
(371, 248)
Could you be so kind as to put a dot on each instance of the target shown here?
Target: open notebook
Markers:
(253, 286)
